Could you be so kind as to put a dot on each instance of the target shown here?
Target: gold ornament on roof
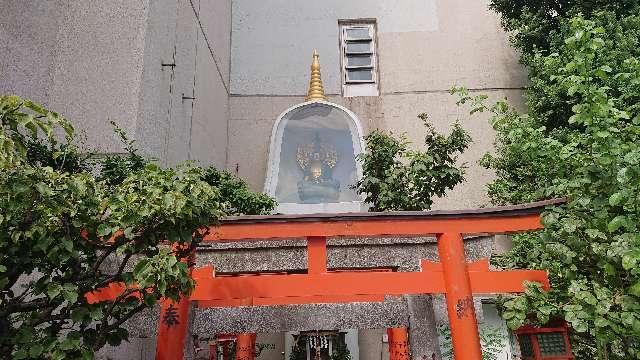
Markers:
(316, 89)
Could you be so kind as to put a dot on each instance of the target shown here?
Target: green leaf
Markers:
(55, 200)
(596, 234)
(128, 233)
(630, 260)
(508, 315)
(67, 244)
(96, 313)
(617, 223)
(36, 350)
(70, 292)
(53, 290)
(20, 354)
(635, 289)
(44, 189)
(79, 314)
(104, 230)
(610, 269)
(35, 107)
(150, 299)
(616, 199)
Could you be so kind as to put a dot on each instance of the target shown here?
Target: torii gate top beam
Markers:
(499, 220)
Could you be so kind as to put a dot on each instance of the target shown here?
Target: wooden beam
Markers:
(316, 255)
(340, 286)
(291, 300)
(289, 287)
(372, 227)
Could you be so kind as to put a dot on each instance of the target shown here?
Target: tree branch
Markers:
(117, 275)
(108, 251)
(110, 327)
(24, 307)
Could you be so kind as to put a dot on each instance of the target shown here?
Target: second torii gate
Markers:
(453, 276)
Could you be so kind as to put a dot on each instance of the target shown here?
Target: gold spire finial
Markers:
(316, 90)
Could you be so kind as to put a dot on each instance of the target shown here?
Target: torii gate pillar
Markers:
(246, 346)
(398, 343)
(460, 309)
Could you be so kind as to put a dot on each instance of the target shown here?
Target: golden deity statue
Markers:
(317, 161)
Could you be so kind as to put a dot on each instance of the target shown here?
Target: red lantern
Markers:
(545, 343)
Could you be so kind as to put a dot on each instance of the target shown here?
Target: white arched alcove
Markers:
(312, 159)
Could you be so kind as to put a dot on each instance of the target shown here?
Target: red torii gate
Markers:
(452, 276)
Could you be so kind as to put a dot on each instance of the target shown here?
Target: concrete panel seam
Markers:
(165, 148)
(193, 89)
(206, 40)
(226, 146)
(408, 92)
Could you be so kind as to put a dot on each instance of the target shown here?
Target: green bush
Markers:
(65, 231)
(396, 178)
(579, 139)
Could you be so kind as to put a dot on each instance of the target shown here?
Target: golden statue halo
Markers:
(312, 158)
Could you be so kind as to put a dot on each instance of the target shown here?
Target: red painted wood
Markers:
(453, 276)
(554, 327)
(173, 323)
(317, 254)
(107, 293)
(460, 308)
(246, 346)
(225, 350)
(341, 286)
(213, 352)
(372, 227)
(290, 287)
(170, 344)
(398, 339)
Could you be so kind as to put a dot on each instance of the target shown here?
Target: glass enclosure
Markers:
(317, 156)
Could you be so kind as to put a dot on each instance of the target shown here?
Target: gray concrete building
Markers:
(216, 80)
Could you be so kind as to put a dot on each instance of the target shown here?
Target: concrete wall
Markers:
(252, 118)
(28, 34)
(82, 59)
(94, 62)
(295, 28)
(424, 48)
(138, 63)
(423, 45)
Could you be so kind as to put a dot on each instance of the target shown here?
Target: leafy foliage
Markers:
(580, 139)
(492, 340)
(237, 197)
(65, 232)
(539, 29)
(115, 168)
(396, 178)
(535, 24)
(341, 351)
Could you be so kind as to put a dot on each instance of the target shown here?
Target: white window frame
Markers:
(352, 88)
